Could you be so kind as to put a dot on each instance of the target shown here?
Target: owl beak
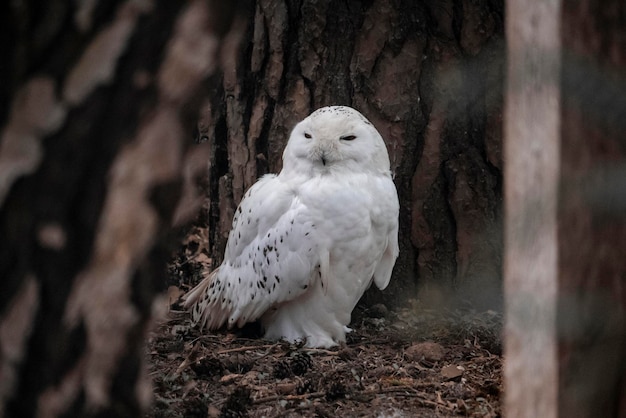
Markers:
(322, 156)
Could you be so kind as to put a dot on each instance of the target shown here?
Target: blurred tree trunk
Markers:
(565, 269)
(428, 75)
(591, 317)
(96, 122)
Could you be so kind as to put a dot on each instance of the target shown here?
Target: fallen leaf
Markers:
(229, 378)
(204, 259)
(396, 381)
(173, 294)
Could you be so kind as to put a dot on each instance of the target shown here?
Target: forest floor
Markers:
(396, 363)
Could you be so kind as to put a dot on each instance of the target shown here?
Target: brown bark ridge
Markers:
(97, 162)
(427, 74)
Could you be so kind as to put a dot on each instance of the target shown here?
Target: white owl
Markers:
(305, 244)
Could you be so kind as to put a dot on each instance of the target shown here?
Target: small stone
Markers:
(452, 372)
(427, 350)
(213, 412)
(286, 388)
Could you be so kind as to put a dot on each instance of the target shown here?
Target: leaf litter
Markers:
(405, 362)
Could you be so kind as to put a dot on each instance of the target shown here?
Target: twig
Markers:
(193, 257)
(399, 388)
(411, 393)
(248, 347)
(394, 389)
(321, 350)
(268, 352)
(205, 337)
(272, 398)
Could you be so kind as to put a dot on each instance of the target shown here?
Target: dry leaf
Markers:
(173, 294)
(229, 378)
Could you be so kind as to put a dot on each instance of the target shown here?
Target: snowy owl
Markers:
(305, 244)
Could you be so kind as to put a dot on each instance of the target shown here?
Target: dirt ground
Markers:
(396, 363)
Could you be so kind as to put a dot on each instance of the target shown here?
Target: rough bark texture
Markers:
(592, 210)
(96, 154)
(427, 74)
(97, 102)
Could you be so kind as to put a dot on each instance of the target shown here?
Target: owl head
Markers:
(335, 138)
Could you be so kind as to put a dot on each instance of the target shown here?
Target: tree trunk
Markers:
(97, 102)
(95, 166)
(565, 270)
(592, 210)
(427, 74)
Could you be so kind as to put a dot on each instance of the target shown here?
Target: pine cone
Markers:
(237, 404)
(207, 367)
(196, 408)
(282, 370)
(304, 387)
(238, 364)
(337, 390)
(300, 363)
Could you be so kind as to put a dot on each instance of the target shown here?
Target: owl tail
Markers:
(197, 299)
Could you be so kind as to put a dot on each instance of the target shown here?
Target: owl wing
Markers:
(272, 255)
(382, 274)
(383, 271)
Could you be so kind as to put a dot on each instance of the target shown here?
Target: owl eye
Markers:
(307, 135)
(347, 137)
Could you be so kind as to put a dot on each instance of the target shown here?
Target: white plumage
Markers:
(305, 244)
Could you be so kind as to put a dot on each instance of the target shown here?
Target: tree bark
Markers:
(97, 102)
(96, 165)
(428, 75)
(565, 271)
(592, 210)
